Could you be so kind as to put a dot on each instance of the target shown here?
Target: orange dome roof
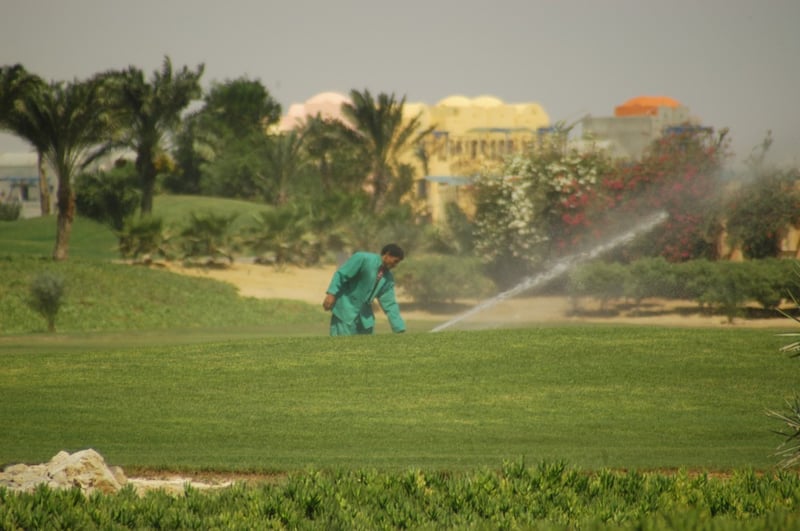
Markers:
(645, 105)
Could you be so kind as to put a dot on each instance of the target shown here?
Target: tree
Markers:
(239, 107)
(229, 130)
(286, 162)
(67, 124)
(108, 196)
(15, 82)
(238, 170)
(381, 137)
(759, 213)
(764, 207)
(338, 165)
(148, 112)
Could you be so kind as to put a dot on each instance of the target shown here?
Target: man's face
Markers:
(390, 261)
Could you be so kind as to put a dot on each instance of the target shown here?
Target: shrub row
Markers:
(716, 286)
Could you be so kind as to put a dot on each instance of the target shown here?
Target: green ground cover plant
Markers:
(546, 496)
(599, 396)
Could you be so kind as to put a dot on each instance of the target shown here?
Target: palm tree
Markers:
(15, 82)
(285, 163)
(67, 124)
(382, 137)
(148, 112)
(339, 165)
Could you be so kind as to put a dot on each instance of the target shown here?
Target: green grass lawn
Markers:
(37, 237)
(89, 239)
(155, 369)
(600, 396)
(176, 209)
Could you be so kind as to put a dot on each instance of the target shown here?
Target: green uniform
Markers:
(355, 285)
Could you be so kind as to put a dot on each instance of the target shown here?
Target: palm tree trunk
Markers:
(147, 179)
(44, 188)
(66, 214)
(148, 185)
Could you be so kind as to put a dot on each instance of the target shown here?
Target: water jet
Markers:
(558, 268)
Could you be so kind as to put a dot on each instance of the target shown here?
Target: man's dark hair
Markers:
(392, 249)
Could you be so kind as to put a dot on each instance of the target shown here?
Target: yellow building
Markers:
(468, 135)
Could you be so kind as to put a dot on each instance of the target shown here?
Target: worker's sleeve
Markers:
(345, 273)
(388, 302)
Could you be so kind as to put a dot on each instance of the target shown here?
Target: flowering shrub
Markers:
(539, 207)
(558, 200)
(680, 175)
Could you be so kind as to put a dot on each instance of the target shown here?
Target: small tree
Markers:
(10, 210)
(46, 296)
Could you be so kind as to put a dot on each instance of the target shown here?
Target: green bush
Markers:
(769, 281)
(206, 236)
(650, 277)
(602, 280)
(284, 235)
(729, 288)
(108, 197)
(47, 296)
(436, 279)
(143, 238)
(10, 210)
(693, 279)
(722, 286)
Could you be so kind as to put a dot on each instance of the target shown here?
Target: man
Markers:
(359, 281)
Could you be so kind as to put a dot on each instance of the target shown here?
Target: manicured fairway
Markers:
(621, 397)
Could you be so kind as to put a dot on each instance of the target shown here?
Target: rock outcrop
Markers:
(85, 469)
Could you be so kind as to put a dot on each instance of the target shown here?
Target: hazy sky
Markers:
(734, 63)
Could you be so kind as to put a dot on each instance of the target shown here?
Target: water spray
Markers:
(559, 268)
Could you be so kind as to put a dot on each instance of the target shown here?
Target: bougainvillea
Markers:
(679, 174)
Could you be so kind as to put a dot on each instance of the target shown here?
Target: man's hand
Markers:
(329, 301)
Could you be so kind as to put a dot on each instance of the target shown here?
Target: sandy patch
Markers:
(309, 284)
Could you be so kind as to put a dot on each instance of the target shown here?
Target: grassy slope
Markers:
(619, 397)
(176, 209)
(102, 296)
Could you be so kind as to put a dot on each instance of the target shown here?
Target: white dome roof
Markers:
(328, 98)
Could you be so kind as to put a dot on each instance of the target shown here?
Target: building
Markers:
(19, 181)
(635, 124)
